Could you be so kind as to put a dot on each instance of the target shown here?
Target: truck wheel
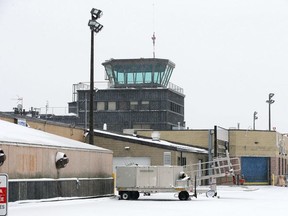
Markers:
(211, 193)
(125, 195)
(135, 195)
(183, 195)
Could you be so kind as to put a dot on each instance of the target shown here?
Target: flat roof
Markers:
(137, 61)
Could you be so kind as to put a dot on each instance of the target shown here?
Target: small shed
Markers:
(42, 165)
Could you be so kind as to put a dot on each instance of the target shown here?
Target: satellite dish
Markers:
(19, 106)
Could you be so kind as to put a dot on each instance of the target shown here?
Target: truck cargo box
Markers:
(148, 177)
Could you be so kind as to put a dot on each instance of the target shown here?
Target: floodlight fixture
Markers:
(96, 14)
(92, 23)
(95, 26)
(271, 95)
(255, 115)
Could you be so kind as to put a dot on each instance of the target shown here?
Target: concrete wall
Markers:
(256, 143)
(242, 142)
(278, 166)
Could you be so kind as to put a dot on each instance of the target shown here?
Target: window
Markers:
(155, 105)
(175, 107)
(145, 105)
(111, 105)
(133, 105)
(100, 105)
(141, 126)
(183, 163)
(167, 158)
(123, 105)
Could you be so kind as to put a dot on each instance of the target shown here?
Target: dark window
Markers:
(123, 105)
(145, 105)
(175, 107)
(154, 105)
(134, 105)
(183, 161)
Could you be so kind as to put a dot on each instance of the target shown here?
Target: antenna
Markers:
(153, 37)
(19, 101)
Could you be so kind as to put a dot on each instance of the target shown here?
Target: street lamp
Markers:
(95, 27)
(96, 13)
(255, 117)
(270, 101)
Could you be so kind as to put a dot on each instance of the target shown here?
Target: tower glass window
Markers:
(135, 72)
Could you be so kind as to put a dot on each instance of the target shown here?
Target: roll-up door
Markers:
(255, 169)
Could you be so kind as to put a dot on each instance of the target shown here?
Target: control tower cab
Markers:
(139, 73)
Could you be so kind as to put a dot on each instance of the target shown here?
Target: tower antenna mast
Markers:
(153, 37)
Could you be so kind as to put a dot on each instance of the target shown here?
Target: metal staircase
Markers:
(211, 170)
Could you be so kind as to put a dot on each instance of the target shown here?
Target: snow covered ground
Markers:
(233, 200)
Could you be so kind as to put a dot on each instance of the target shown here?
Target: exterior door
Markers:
(255, 169)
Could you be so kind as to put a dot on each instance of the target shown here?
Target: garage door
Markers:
(255, 169)
(124, 161)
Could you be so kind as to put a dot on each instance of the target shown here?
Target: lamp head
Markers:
(271, 95)
(96, 14)
(95, 26)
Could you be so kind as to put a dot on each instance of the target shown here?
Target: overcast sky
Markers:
(229, 54)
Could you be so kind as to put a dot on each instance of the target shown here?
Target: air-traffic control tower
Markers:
(139, 96)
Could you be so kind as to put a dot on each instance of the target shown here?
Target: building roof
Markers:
(17, 134)
(152, 143)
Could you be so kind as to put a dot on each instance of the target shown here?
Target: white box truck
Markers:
(133, 180)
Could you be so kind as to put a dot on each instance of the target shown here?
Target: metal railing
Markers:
(217, 168)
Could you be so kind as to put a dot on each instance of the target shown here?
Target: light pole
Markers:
(270, 101)
(255, 117)
(95, 27)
